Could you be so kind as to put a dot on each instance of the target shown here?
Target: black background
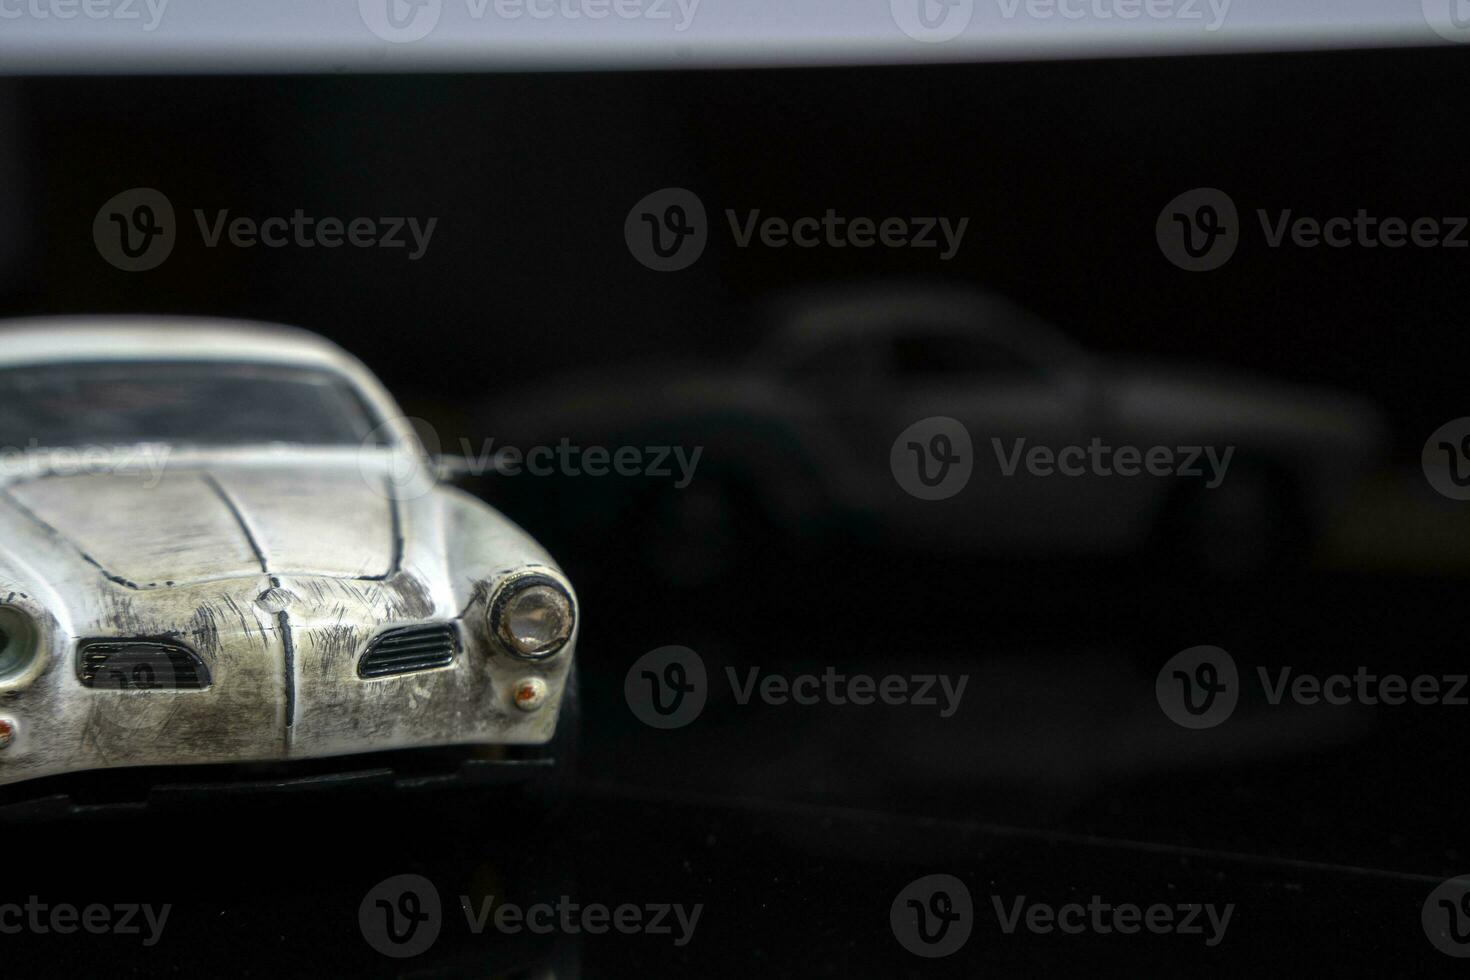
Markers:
(1061, 168)
(1328, 830)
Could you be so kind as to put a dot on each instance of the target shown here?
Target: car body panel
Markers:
(277, 566)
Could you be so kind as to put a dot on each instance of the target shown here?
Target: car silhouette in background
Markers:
(1070, 453)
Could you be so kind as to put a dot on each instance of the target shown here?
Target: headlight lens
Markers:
(17, 641)
(532, 616)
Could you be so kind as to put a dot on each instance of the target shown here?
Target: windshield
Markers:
(180, 403)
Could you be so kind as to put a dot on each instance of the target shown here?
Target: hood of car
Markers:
(197, 525)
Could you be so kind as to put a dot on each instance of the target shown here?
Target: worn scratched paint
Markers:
(190, 559)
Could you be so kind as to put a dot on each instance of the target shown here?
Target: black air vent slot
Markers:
(140, 665)
(410, 648)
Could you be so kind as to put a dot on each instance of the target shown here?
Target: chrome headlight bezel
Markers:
(497, 616)
(20, 642)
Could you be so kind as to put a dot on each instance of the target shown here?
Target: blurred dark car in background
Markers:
(833, 426)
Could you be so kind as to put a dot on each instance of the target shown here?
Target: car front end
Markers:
(267, 603)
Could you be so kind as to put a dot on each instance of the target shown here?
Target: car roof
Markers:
(50, 340)
(815, 317)
(817, 312)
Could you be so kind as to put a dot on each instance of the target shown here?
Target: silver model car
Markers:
(222, 542)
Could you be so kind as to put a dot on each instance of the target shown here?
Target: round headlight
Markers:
(531, 616)
(17, 641)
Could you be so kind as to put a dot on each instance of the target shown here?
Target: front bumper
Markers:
(284, 686)
(150, 788)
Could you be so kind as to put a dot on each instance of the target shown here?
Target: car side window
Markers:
(837, 363)
(930, 356)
